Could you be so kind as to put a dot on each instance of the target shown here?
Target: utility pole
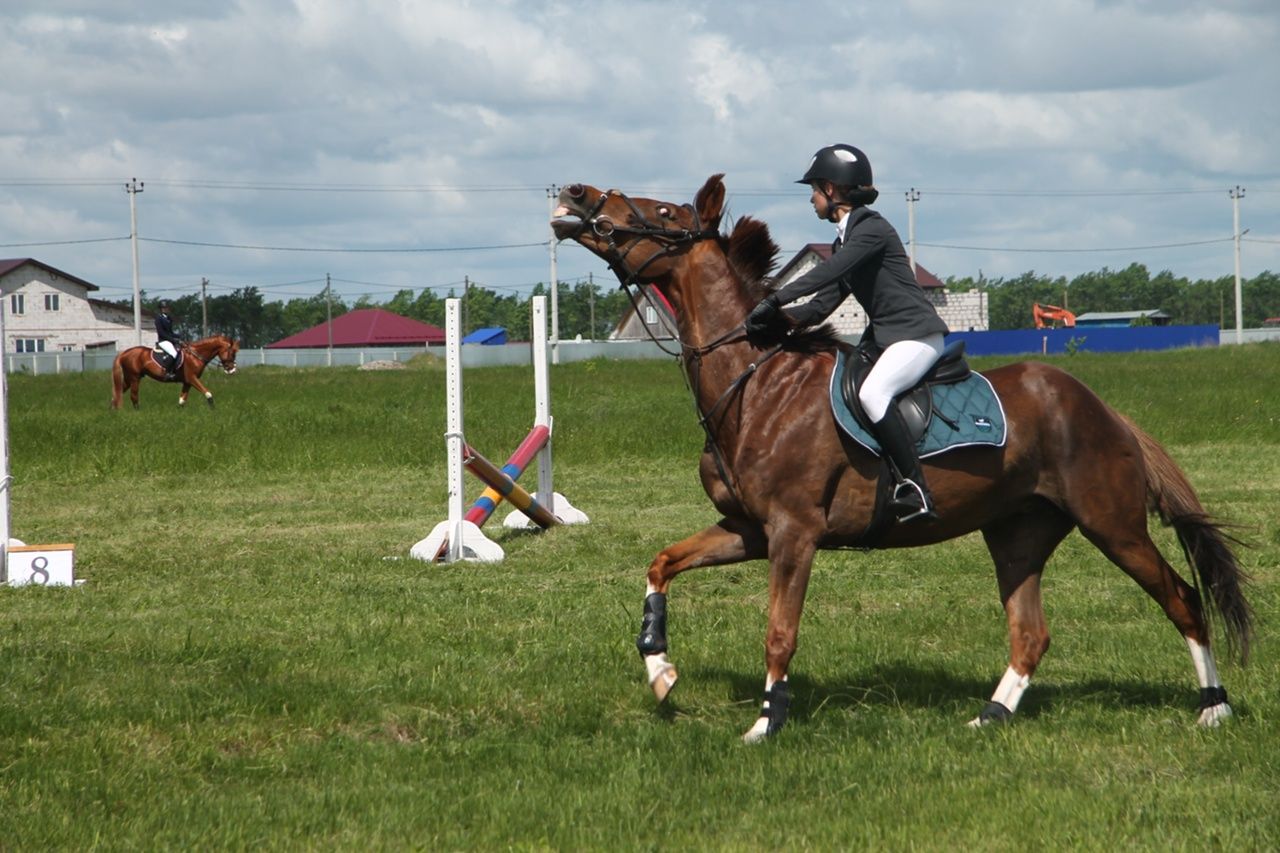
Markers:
(913, 196)
(466, 288)
(204, 307)
(133, 188)
(1237, 194)
(591, 298)
(328, 314)
(553, 192)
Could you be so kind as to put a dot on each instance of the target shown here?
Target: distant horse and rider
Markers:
(191, 360)
(789, 479)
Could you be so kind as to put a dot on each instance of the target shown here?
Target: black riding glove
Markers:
(766, 322)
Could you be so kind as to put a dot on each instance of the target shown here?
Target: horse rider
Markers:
(869, 262)
(169, 342)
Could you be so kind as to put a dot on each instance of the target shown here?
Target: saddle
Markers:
(916, 404)
(951, 406)
(166, 362)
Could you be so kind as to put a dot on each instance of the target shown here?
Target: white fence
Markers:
(473, 355)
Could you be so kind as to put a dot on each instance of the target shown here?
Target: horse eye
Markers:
(665, 212)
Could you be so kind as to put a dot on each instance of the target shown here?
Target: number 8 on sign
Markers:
(42, 565)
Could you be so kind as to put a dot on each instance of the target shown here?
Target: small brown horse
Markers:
(787, 482)
(137, 362)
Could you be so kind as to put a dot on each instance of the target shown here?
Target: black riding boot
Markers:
(911, 499)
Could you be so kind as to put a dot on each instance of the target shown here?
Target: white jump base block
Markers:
(476, 547)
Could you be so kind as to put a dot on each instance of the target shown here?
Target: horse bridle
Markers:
(672, 241)
(217, 355)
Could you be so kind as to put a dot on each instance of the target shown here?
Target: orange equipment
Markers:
(1053, 314)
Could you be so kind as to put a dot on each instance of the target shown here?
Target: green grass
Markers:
(254, 662)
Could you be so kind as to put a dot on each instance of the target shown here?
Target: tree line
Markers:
(1187, 302)
(593, 312)
(245, 314)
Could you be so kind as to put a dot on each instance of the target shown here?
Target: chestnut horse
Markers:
(787, 482)
(137, 362)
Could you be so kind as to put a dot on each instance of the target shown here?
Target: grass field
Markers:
(255, 663)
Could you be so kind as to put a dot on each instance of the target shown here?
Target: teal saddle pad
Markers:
(965, 413)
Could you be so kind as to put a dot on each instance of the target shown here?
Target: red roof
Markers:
(924, 278)
(366, 327)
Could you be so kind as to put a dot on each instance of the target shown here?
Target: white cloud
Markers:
(653, 95)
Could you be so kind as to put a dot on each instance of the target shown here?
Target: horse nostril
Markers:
(576, 190)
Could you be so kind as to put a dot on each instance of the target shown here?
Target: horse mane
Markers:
(753, 254)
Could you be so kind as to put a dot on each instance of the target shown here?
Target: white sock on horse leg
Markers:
(1206, 670)
(1010, 689)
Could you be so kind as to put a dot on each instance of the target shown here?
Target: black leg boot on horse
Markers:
(911, 500)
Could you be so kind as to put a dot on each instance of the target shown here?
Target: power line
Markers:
(307, 187)
(1072, 193)
(343, 188)
(343, 250)
(64, 242)
(1060, 251)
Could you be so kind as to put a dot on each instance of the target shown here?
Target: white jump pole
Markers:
(542, 401)
(462, 539)
(453, 439)
(4, 452)
(546, 493)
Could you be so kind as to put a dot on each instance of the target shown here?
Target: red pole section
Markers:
(508, 488)
(519, 460)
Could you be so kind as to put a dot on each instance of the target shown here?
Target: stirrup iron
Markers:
(910, 501)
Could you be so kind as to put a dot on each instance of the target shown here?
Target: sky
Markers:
(414, 144)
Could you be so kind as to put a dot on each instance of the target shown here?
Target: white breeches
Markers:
(168, 347)
(899, 367)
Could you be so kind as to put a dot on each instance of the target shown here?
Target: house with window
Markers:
(48, 310)
(656, 319)
(962, 312)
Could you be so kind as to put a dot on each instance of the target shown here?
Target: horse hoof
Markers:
(992, 714)
(662, 675)
(757, 733)
(1213, 716)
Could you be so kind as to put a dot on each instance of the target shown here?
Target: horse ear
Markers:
(710, 201)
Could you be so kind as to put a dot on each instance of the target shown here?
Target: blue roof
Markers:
(490, 336)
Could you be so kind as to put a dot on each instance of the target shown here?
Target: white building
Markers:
(962, 312)
(48, 310)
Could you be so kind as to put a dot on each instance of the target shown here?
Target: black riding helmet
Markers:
(844, 166)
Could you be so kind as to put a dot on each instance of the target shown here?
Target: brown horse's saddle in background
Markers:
(951, 406)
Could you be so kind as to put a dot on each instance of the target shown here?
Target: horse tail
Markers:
(1204, 542)
(117, 382)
